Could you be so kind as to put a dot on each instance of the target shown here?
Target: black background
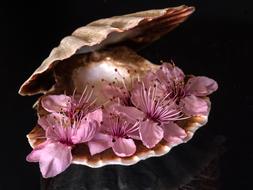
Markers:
(216, 41)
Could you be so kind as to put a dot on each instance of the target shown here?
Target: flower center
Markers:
(67, 142)
(118, 128)
(161, 110)
(121, 128)
(79, 107)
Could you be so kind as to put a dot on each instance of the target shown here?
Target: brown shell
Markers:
(138, 28)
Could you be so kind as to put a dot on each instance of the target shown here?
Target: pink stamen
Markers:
(162, 110)
(121, 128)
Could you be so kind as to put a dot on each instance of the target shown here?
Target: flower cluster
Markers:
(147, 111)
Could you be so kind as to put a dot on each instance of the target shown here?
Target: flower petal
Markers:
(137, 96)
(96, 115)
(53, 158)
(130, 113)
(59, 133)
(55, 103)
(99, 143)
(150, 79)
(169, 72)
(150, 133)
(193, 105)
(201, 86)
(34, 156)
(174, 134)
(53, 119)
(134, 135)
(116, 92)
(85, 131)
(124, 147)
(57, 126)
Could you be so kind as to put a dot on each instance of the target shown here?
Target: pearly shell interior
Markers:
(115, 64)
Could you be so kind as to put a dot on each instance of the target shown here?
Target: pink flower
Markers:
(189, 95)
(63, 131)
(117, 93)
(120, 126)
(119, 90)
(159, 116)
(70, 106)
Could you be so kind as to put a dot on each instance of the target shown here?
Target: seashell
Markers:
(91, 54)
(139, 28)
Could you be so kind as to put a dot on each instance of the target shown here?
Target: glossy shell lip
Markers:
(130, 28)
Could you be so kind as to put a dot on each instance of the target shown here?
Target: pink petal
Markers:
(201, 86)
(193, 105)
(45, 122)
(129, 113)
(52, 120)
(136, 96)
(134, 135)
(55, 103)
(53, 158)
(115, 92)
(34, 156)
(85, 131)
(99, 143)
(124, 147)
(174, 134)
(150, 79)
(88, 127)
(169, 72)
(55, 133)
(96, 115)
(57, 126)
(59, 133)
(150, 133)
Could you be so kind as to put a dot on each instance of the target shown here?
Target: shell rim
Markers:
(143, 156)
